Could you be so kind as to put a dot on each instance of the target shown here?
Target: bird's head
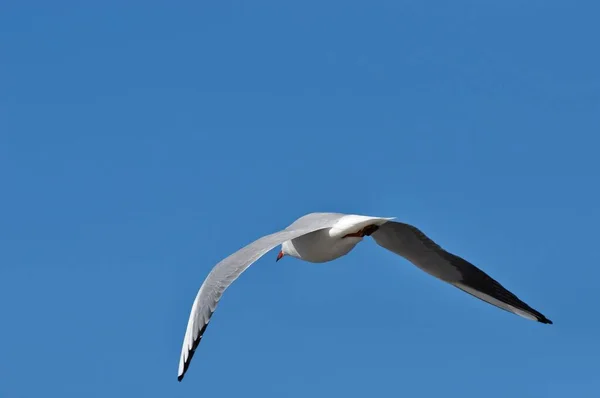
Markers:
(287, 249)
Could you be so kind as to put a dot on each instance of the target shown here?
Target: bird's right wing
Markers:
(229, 269)
(412, 244)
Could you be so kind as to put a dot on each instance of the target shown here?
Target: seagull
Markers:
(323, 237)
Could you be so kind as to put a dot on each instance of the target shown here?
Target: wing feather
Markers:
(229, 269)
(412, 244)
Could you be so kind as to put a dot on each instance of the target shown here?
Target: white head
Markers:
(287, 249)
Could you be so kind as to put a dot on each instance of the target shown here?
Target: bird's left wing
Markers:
(412, 244)
(229, 269)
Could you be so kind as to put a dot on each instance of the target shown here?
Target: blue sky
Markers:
(142, 142)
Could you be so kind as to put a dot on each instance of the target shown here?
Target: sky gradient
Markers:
(142, 142)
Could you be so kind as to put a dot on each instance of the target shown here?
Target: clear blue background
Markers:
(142, 142)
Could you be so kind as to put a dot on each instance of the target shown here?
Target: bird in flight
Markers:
(323, 237)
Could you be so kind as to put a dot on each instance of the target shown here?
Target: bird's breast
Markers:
(320, 247)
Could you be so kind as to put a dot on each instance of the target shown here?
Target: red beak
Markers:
(279, 256)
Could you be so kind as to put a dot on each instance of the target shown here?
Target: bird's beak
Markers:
(279, 255)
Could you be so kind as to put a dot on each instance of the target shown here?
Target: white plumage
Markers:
(323, 237)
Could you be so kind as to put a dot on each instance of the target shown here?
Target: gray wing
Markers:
(412, 244)
(229, 269)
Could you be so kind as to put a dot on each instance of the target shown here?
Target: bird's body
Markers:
(319, 246)
(323, 237)
(328, 244)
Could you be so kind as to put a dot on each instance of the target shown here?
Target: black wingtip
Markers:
(191, 353)
(546, 321)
